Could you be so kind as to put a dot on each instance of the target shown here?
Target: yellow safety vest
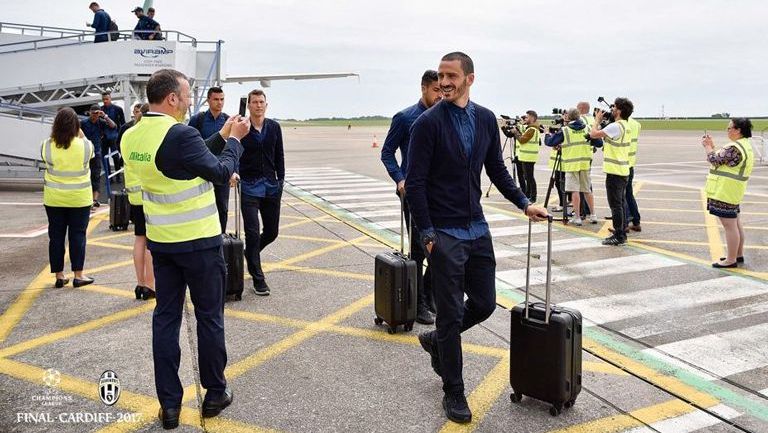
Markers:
(728, 184)
(67, 173)
(616, 152)
(128, 143)
(529, 152)
(634, 127)
(577, 150)
(175, 210)
(588, 120)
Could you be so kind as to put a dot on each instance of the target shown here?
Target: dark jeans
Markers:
(631, 212)
(527, 180)
(222, 204)
(460, 267)
(615, 190)
(256, 240)
(204, 273)
(425, 296)
(60, 221)
(107, 146)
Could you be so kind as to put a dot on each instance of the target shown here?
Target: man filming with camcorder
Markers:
(614, 129)
(528, 141)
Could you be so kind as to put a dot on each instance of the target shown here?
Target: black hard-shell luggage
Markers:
(395, 287)
(119, 211)
(233, 256)
(545, 346)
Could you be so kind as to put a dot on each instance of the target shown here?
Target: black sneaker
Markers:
(614, 241)
(456, 407)
(424, 317)
(428, 343)
(261, 289)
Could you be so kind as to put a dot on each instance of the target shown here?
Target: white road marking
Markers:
(334, 198)
(621, 306)
(19, 203)
(367, 204)
(498, 232)
(351, 189)
(689, 422)
(312, 183)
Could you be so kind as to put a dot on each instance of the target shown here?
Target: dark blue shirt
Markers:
(463, 120)
(116, 114)
(145, 23)
(94, 131)
(397, 138)
(557, 138)
(263, 155)
(261, 187)
(100, 24)
(207, 124)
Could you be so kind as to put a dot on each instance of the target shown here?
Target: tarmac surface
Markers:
(670, 344)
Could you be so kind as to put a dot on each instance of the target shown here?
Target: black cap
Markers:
(95, 107)
(138, 9)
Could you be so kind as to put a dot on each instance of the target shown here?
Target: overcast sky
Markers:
(694, 57)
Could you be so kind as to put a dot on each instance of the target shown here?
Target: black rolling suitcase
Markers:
(545, 346)
(119, 211)
(233, 256)
(395, 287)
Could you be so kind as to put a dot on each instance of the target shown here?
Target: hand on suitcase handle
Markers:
(537, 213)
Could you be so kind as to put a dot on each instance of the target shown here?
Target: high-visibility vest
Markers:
(728, 184)
(616, 152)
(175, 210)
(634, 127)
(588, 120)
(577, 150)
(128, 143)
(529, 152)
(67, 173)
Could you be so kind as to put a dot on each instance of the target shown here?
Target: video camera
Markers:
(510, 125)
(558, 121)
(607, 115)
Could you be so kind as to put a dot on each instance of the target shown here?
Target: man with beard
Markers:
(397, 138)
(450, 144)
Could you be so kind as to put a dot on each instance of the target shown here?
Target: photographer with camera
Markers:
(575, 161)
(528, 142)
(617, 139)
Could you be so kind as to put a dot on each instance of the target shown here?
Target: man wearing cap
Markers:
(145, 27)
(94, 128)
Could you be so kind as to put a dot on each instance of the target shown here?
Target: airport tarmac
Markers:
(670, 344)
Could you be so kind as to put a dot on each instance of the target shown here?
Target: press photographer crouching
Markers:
(528, 142)
(616, 142)
(575, 160)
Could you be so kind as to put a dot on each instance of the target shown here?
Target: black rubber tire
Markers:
(568, 404)
(515, 397)
(408, 327)
(555, 410)
(378, 321)
(391, 330)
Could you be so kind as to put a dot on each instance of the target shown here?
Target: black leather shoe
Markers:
(424, 317)
(61, 282)
(213, 407)
(719, 266)
(79, 282)
(169, 418)
(739, 259)
(428, 343)
(261, 289)
(138, 291)
(456, 408)
(147, 293)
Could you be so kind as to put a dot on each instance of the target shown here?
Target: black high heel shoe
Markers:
(739, 259)
(61, 282)
(147, 293)
(139, 291)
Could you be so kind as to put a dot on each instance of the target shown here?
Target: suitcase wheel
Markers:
(408, 327)
(378, 320)
(568, 404)
(555, 410)
(391, 330)
(515, 397)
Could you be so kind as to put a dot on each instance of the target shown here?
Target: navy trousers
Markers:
(255, 239)
(63, 222)
(204, 272)
(460, 267)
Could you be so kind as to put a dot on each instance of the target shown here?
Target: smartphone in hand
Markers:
(243, 103)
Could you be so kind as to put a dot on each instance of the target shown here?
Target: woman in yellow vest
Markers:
(67, 194)
(727, 183)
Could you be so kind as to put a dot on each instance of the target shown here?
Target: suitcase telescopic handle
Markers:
(237, 209)
(547, 307)
(402, 225)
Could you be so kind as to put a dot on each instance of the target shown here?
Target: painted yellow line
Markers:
(655, 209)
(666, 223)
(111, 245)
(602, 367)
(95, 288)
(16, 311)
(77, 329)
(266, 318)
(713, 233)
(296, 224)
(108, 237)
(637, 418)
(272, 267)
(320, 251)
(671, 241)
(483, 397)
(109, 267)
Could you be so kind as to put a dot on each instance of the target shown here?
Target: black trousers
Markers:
(562, 195)
(255, 239)
(522, 181)
(631, 212)
(204, 272)
(95, 166)
(460, 267)
(615, 190)
(222, 204)
(63, 220)
(424, 297)
(527, 180)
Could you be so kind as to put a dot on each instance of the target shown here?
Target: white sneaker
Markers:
(593, 219)
(577, 222)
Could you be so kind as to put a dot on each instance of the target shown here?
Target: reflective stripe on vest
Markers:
(529, 151)
(68, 184)
(616, 152)
(577, 151)
(127, 145)
(728, 184)
(175, 210)
(634, 130)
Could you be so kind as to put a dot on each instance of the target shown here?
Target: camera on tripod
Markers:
(510, 125)
(607, 115)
